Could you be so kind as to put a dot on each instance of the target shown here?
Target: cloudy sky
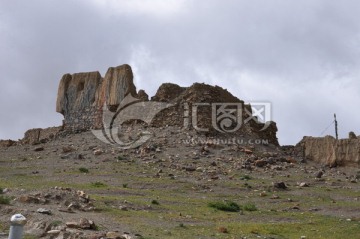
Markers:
(302, 56)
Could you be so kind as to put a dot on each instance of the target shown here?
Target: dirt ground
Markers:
(85, 188)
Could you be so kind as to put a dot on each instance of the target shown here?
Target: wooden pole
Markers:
(336, 127)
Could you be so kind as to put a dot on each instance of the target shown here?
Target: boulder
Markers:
(36, 136)
(81, 96)
(77, 92)
(118, 82)
(352, 135)
(168, 92)
(7, 143)
(142, 95)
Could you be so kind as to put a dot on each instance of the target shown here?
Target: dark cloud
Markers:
(302, 56)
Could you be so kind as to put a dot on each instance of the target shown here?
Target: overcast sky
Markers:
(302, 56)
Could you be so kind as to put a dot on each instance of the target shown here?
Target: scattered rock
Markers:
(68, 149)
(53, 232)
(98, 152)
(38, 149)
(114, 235)
(44, 211)
(303, 184)
(223, 230)
(29, 199)
(280, 185)
(72, 225)
(260, 163)
(319, 174)
(277, 167)
(87, 224)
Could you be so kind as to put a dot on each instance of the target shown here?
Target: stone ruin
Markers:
(330, 151)
(83, 98)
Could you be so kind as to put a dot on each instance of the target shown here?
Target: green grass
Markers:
(55, 223)
(84, 170)
(121, 158)
(249, 207)
(27, 236)
(227, 206)
(245, 177)
(98, 184)
(5, 200)
(155, 202)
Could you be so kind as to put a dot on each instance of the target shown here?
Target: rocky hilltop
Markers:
(82, 97)
(330, 151)
(86, 99)
(188, 179)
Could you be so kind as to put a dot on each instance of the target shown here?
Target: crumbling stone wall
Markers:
(330, 151)
(183, 98)
(38, 135)
(81, 96)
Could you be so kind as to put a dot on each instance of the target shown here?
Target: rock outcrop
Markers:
(330, 151)
(7, 143)
(83, 96)
(36, 136)
(200, 100)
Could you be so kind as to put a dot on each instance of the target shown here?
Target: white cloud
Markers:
(155, 8)
(302, 56)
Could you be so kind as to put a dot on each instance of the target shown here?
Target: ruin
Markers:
(86, 99)
(82, 96)
(330, 151)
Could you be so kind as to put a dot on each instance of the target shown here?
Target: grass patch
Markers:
(230, 206)
(245, 177)
(121, 158)
(227, 206)
(55, 224)
(98, 184)
(84, 170)
(5, 200)
(27, 236)
(155, 202)
(1, 190)
(182, 225)
(250, 207)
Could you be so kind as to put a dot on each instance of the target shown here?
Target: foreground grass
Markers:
(166, 208)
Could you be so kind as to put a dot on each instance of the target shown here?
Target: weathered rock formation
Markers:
(329, 151)
(7, 143)
(82, 97)
(36, 136)
(203, 98)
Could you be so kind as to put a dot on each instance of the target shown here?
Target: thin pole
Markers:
(336, 127)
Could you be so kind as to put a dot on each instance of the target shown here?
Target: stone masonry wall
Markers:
(330, 151)
(81, 96)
